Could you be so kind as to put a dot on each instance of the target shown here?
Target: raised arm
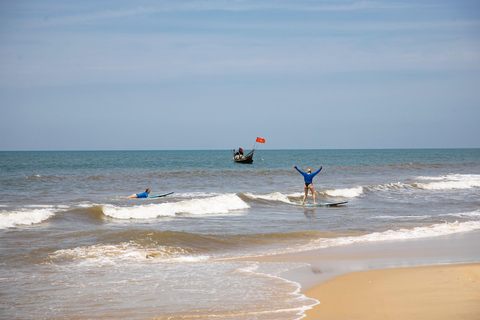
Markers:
(299, 170)
(318, 170)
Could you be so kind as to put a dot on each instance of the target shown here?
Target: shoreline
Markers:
(422, 272)
(430, 278)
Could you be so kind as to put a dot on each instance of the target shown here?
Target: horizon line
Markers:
(292, 149)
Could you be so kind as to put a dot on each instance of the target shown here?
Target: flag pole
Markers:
(256, 142)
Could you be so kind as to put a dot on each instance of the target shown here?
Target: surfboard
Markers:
(299, 203)
(160, 195)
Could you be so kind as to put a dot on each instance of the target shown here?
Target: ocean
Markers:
(70, 248)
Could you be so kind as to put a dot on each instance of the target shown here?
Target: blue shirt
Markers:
(308, 177)
(142, 195)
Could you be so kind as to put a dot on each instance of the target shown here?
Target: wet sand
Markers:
(426, 278)
(438, 292)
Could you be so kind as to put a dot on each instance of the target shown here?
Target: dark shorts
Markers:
(307, 184)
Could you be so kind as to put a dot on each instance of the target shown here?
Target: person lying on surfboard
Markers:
(308, 177)
(139, 195)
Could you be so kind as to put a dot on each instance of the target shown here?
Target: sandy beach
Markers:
(438, 292)
(429, 278)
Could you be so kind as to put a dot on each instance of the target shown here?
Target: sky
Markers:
(214, 75)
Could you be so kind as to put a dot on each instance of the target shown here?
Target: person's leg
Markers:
(313, 192)
(133, 196)
(306, 193)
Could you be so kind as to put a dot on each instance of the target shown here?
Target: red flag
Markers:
(260, 140)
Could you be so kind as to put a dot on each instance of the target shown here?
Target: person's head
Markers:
(147, 191)
(309, 170)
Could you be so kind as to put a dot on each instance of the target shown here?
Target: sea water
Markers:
(70, 248)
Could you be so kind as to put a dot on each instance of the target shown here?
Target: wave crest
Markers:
(276, 196)
(24, 218)
(222, 204)
(448, 182)
(345, 193)
(401, 234)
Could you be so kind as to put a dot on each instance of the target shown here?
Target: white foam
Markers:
(190, 195)
(24, 218)
(88, 205)
(412, 217)
(43, 206)
(296, 194)
(33, 176)
(451, 176)
(345, 193)
(391, 186)
(276, 196)
(401, 234)
(473, 214)
(450, 181)
(101, 254)
(126, 252)
(222, 204)
(448, 185)
(187, 259)
(275, 271)
(429, 178)
(56, 208)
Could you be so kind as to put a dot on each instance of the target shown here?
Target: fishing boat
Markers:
(240, 158)
(238, 155)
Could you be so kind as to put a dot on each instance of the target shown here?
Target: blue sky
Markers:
(160, 75)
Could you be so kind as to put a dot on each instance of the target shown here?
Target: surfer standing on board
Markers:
(308, 176)
(139, 195)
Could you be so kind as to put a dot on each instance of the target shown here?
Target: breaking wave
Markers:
(222, 204)
(14, 219)
(345, 193)
(276, 196)
(136, 250)
(111, 254)
(434, 230)
(448, 182)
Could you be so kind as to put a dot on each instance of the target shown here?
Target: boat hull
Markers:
(244, 159)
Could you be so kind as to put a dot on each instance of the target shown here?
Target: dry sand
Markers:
(438, 292)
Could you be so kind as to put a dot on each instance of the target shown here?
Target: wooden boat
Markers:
(240, 158)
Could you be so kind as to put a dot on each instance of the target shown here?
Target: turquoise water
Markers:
(69, 247)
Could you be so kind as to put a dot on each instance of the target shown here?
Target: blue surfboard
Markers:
(160, 195)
